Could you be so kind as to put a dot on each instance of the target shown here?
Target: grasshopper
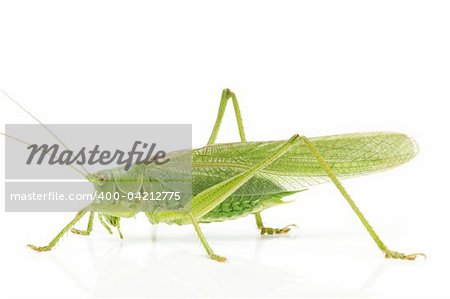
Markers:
(233, 180)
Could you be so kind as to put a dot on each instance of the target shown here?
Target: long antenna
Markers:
(47, 153)
(43, 125)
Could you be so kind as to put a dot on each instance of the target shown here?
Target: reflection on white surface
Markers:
(122, 271)
(172, 263)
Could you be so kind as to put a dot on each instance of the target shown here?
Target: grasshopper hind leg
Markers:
(329, 171)
(226, 96)
(205, 244)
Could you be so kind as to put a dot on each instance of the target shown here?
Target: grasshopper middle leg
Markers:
(269, 230)
(208, 199)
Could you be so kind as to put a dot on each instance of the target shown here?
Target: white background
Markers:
(315, 68)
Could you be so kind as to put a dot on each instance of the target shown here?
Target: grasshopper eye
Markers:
(101, 179)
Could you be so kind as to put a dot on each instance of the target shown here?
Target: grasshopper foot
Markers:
(39, 249)
(80, 232)
(120, 232)
(218, 258)
(402, 256)
(277, 231)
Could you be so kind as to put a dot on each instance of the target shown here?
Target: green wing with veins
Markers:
(348, 155)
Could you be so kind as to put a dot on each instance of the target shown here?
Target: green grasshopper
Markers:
(233, 180)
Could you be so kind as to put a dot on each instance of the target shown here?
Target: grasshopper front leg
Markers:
(55, 240)
(88, 230)
(226, 96)
(115, 221)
